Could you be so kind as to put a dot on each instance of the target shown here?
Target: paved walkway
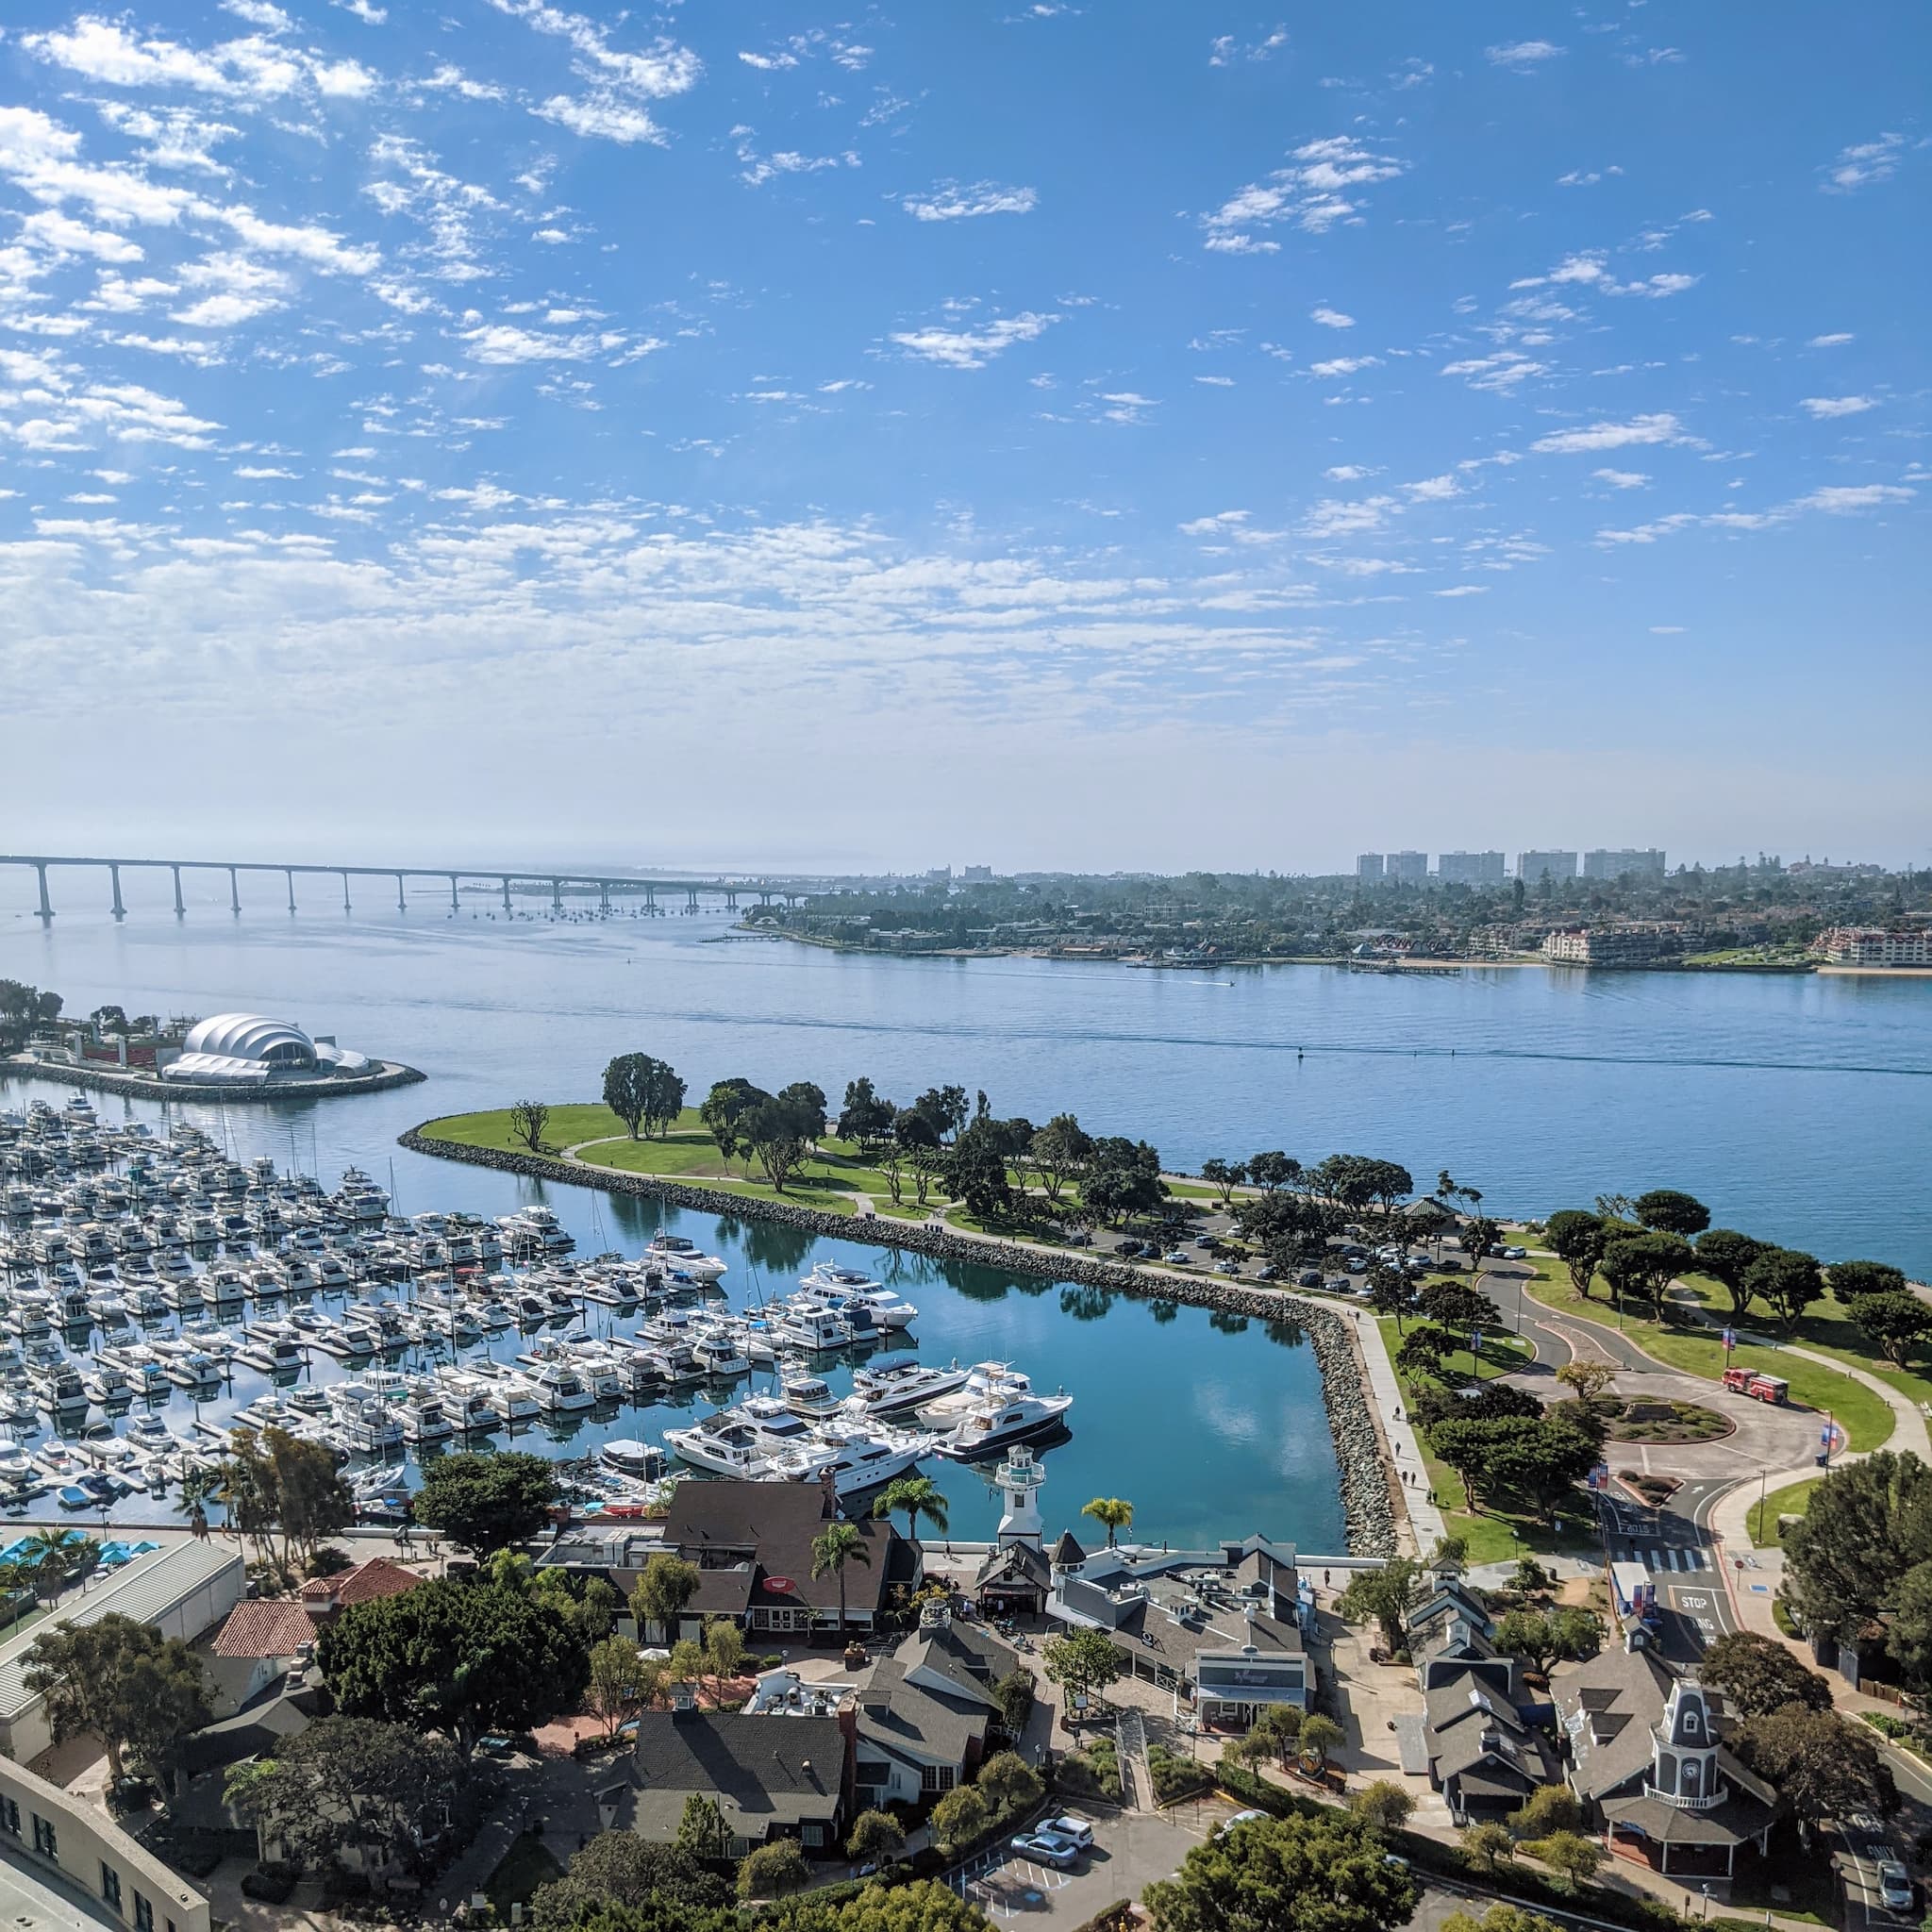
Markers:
(1384, 1396)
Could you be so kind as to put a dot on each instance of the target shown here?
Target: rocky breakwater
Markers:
(1365, 1492)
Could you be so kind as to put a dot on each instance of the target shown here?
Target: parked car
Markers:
(1309, 1277)
(1176, 1257)
(1224, 1266)
(1337, 1284)
(1042, 1846)
(1357, 1264)
(1079, 1238)
(1894, 1887)
(1076, 1831)
(1516, 1254)
(1227, 1825)
(1266, 1272)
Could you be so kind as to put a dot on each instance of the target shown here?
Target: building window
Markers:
(143, 1914)
(10, 1815)
(812, 1834)
(44, 1840)
(935, 1777)
(111, 1885)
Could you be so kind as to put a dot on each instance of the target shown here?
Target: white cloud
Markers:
(1825, 407)
(1465, 590)
(1844, 499)
(1864, 164)
(1216, 381)
(368, 14)
(1522, 56)
(973, 348)
(1433, 489)
(601, 117)
(1622, 479)
(1581, 178)
(950, 202)
(1331, 318)
(1831, 341)
(1225, 50)
(451, 79)
(1342, 365)
(1498, 374)
(501, 343)
(1347, 472)
(769, 64)
(1660, 427)
(1312, 194)
(663, 70)
(261, 13)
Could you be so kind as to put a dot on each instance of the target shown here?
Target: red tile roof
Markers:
(265, 1629)
(361, 1584)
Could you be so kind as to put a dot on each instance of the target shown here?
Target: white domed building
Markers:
(251, 1050)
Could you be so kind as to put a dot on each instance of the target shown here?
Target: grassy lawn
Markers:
(1863, 1415)
(526, 1865)
(1792, 1500)
(566, 1127)
(1492, 1537)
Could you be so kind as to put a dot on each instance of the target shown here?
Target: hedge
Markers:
(270, 1883)
(1114, 1918)
(1432, 1854)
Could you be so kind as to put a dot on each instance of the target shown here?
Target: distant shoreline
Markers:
(1386, 967)
(385, 1075)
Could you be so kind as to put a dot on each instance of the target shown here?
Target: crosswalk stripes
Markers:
(1672, 1558)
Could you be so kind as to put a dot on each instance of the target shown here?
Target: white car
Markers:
(1076, 1831)
(1227, 1825)
(1894, 1887)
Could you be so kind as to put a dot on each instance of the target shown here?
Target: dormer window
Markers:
(1690, 1720)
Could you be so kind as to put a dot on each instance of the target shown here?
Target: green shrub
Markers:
(270, 1883)
(1174, 1777)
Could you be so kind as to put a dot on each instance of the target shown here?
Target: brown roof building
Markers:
(379, 1578)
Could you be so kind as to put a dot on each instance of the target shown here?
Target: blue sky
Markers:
(1106, 435)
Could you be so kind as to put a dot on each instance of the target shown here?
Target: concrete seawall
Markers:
(1365, 1489)
(152, 1087)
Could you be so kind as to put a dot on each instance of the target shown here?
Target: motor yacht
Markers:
(810, 1397)
(815, 1330)
(904, 1388)
(725, 1446)
(856, 1458)
(676, 1255)
(1000, 1420)
(559, 1389)
(365, 1420)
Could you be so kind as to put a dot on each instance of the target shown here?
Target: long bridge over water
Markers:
(526, 879)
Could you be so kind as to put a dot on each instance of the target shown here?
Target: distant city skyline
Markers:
(514, 428)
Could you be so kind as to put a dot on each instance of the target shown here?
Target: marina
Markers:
(159, 1293)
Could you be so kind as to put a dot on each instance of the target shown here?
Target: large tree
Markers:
(1459, 1307)
(644, 1091)
(275, 1484)
(1757, 1675)
(139, 1692)
(781, 1129)
(1786, 1280)
(1726, 1255)
(1537, 1461)
(664, 1586)
(485, 1500)
(1081, 1661)
(1327, 1872)
(1895, 1322)
(1224, 1177)
(1865, 1525)
(723, 1110)
(1671, 1211)
(620, 1869)
(1384, 1597)
(460, 1658)
(1274, 1169)
(1058, 1153)
(1644, 1265)
(1824, 1765)
(1360, 1181)
(1579, 1238)
(917, 1496)
(527, 1120)
(350, 1782)
(866, 1118)
(1540, 1637)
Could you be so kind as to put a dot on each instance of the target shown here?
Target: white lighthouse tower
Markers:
(1019, 1478)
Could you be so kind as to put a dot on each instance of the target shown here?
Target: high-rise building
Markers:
(1369, 869)
(1532, 866)
(1613, 865)
(1470, 868)
(1407, 868)
(977, 874)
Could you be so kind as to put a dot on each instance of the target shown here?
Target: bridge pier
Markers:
(46, 904)
(557, 896)
(730, 900)
(180, 910)
(454, 908)
(114, 872)
(690, 901)
(402, 905)
(346, 894)
(234, 893)
(506, 895)
(603, 895)
(650, 902)
(289, 872)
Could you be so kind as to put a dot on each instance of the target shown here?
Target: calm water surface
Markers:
(1799, 1107)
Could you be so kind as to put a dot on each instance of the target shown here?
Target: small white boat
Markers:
(679, 1255)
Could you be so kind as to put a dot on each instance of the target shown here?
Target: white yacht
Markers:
(814, 1329)
(677, 1256)
(365, 1420)
(559, 1391)
(856, 1457)
(902, 1388)
(726, 1446)
(1001, 1418)
(836, 1286)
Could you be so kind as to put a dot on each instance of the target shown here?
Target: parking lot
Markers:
(1131, 1849)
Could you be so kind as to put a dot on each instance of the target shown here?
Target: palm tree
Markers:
(838, 1544)
(45, 1559)
(918, 1495)
(197, 1487)
(1115, 1512)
